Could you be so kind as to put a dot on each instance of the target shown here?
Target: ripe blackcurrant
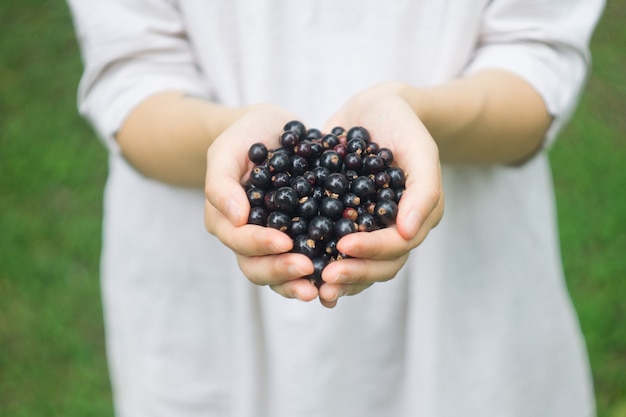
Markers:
(279, 162)
(255, 196)
(325, 225)
(279, 220)
(301, 185)
(286, 199)
(260, 176)
(257, 153)
(397, 179)
(306, 246)
(345, 226)
(295, 126)
(386, 212)
(308, 207)
(319, 187)
(363, 187)
(358, 132)
(331, 160)
(298, 226)
(331, 207)
(336, 183)
(258, 216)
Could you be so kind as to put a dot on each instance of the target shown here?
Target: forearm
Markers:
(492, 117)
(166, 137)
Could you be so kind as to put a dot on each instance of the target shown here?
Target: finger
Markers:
(246, 240)
(423, 189)
(301, 289)
(421, 200)
(223, 187)
(377, 245)
(275, 269)
(329, 294)
(362, 271)
(228, 163)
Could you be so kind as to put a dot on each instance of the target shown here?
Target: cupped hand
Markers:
(262, 252)
(378, 256)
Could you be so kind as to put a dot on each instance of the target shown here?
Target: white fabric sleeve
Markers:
(546, 42)
(131, 49)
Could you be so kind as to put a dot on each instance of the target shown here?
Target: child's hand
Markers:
(262, 252)
(379, 255)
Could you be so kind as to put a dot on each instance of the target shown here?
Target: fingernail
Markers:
(339, 278)
(278, 246)
(295, 271)
(412, 223)
(232, 211)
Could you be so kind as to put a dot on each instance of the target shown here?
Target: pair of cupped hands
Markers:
(263, 253)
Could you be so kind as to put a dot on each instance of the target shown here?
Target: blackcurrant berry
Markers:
(397, 179)
(313, 134)
(257, 153)
(299, 165)
(341, 150)
(286, 199)
(372, 164)
(363, 187)
(372, 148)
(358, 132)
(331, 207)
(344, 226)
(258, 216)
(350, 174)
(353, 161)
(301, 185)
(386, 212)
(350, 213)
(385, 194)
(289, 138)
(318, 193)
(351, 200)
(356, 146)
(303, 149)
(329, 141)
(295, 126)
(305, 245)
(331, 160)
(261, 176)
(298, 226)
(330, 248)
(366, 222)
(308, 207)
(316, 149)
(338, 131)
(269, 201)
(255, 196)
(325, 225)
(319, 263)
(382, 179)
(336, 183)
(279, 220)
(386, 155)
(279, 162)
(280, 179)
(321, 173)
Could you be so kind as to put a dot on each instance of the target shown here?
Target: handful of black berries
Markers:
(319, 187)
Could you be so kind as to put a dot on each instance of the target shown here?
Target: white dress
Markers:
(477, 323)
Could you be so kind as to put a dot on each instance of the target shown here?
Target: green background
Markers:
(52, 171)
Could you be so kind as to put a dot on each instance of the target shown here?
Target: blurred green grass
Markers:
(52, 171)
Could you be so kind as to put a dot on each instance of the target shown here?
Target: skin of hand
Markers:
(262, 252)
(463, 121)
(378, 256)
